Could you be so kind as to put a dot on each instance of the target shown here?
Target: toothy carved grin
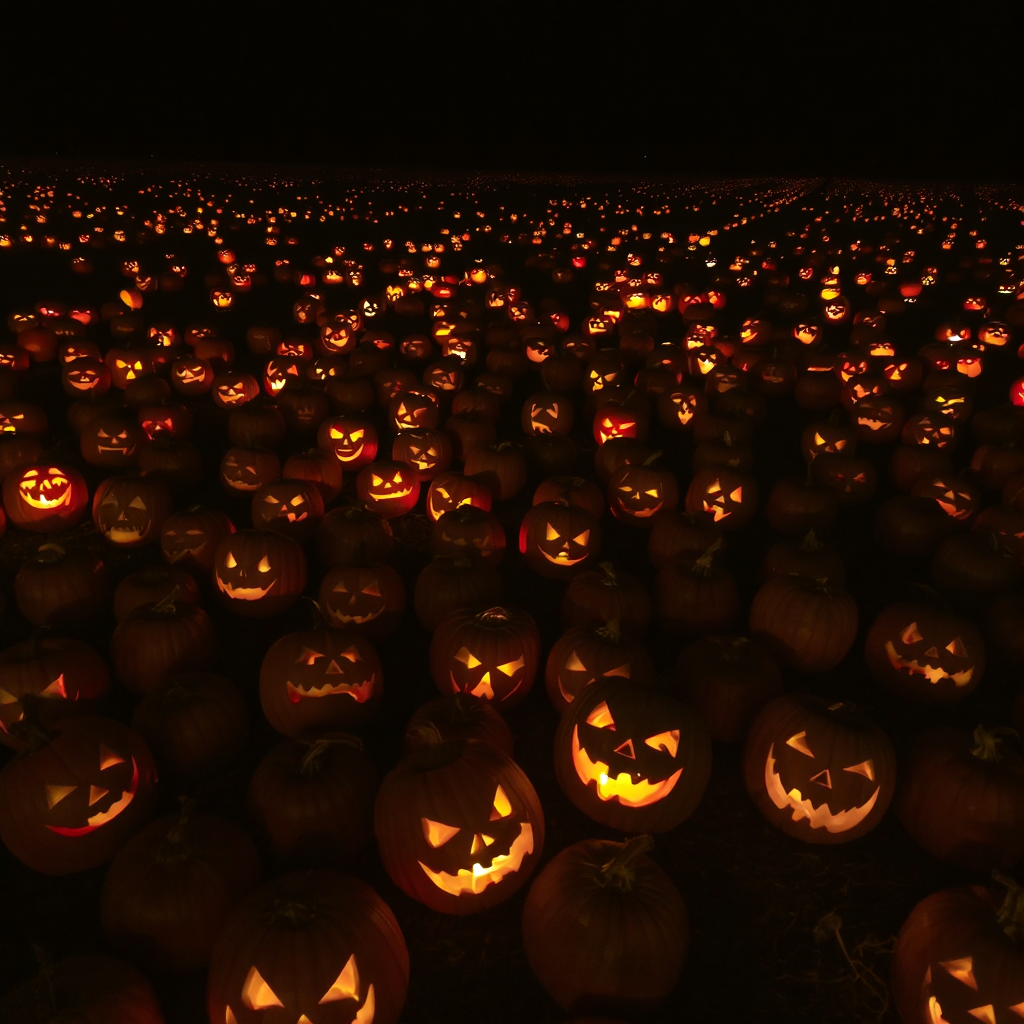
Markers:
(933, 673)
(244, 593)
(480, 877)
(622, 787)
(109, 814)
(360, 692)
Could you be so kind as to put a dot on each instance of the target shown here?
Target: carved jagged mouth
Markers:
(392, 495)
(244, 593)
(359, 692)
(123, 534)
(803, 807)
(112, 448)
(621, 787)
(562, 558)
(358, 620)
(933, 673)
(476, 880)
(46, 503)
(482, 688)
(109, 814)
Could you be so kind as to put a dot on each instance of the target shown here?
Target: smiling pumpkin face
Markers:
(258, 573)
(352, 442)
(130, 511)
(460, 827)
(45, 497)
(632, 758)
(820, 772)
(389, 488)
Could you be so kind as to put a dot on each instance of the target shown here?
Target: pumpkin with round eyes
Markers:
(469, 532)
(353, 442)
(45, 497)
(800, 744)
(491, 654)
(459, 826)
(257, 573)
(924, 654)
(546, 413)
(354, 968)
(111, 441)
(631, 757)
(389, 488)
(319, 679)
(636, 493)
(191, 376)
(85, 378)
(189, 539)
(451, 490)
(589, 653)
(369, 599)
(729, 497)
(293, 508)
(429, 452)
(130, 511)
(559, 540)
(234, 389)
(245, 470)
(68, 804)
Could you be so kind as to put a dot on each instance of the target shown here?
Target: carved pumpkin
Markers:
(234, 389)
(631, 757)
(429, 452)
(730, 498)
(58, 586)
(353, 442)
(191, 376)
(546, 413)
(189, 539)
(636, 493)
(602, 595)
(111, 441)
(389, 488)
(369, 598)
(559, 540)
(451, 490)
(459, 826)
(130, 511)
(69, 803)
(45, 497)
(355, 968)
(574, 490)
(257, 573)
(292, 508)
(819, 771)
(457, 717)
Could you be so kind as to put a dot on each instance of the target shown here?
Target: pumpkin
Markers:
(730, 498)
(636, 493)
(245, 470)
(559, 540)
(808, 557)
(429, 452)
(971, 568)
(449, 490)
(189, 539)
(632, 758)
(491, 654)
(605, 929)
(501, 467)
(316, 467)
(71, 798)
(352, 441)
(546, 413)
(45, 497)
(457, 717)
(171, 887)
(368, 598)
(459, 826)
(111, 441)
(470, 532)
(313, 800)
(809, 625)
(960, 956)
(797, 505)
(694, 596)
(292, 508)
(682, 533)
(604, 595)
(389, 488)
(57, 586)
(574, 490)
(257, 573)
(845, 764)
(924, 653)
(347, 535)
(950, 785)
(852, 478)
(320, 679)
(318, 944)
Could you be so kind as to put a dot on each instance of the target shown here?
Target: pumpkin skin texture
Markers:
(962, 798)
(448, 584)
(809, 626)
(130, 511)
(319, 943)
(469, 532)
(46, 818)
(845, 764)
(491, 654)
(189, 539)
(603, 595)
(955, 959)
(257, 573)
(448, 807)
(60, 587)
(320, 679)
(347, 535)
(631, 757)
(314, 800)
(171, 887)
(88, 989)
(367, 598)
(604, 928)
(924, 654)
(458, 717)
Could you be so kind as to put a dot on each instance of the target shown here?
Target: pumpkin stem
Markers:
(1011, 913)
(620, 871)
(166, 603)
(608, 577)
(652, 458)
(317, 613)
(315, 749)
(988, 743)
(610, 631)
(293, 912)
(703, 564)
(810, 542)
(425, 732)
(496, 616)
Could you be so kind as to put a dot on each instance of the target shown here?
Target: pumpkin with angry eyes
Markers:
(459, 825)
(924, 653)
(631, 757)
(637, 493)
(130, 511)
(111, 441)
(801, 744)
(491, 654)
(429, 452)
(545, 413)
(353, 442)
(451, 490)
(257, 573)
(45, 498)
(369, 598)
(292, 508)
(72, 797)
(316, 947)
(729, 497)
(559, 540)
(389, 488)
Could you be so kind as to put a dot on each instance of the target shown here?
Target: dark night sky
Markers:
(691, 89)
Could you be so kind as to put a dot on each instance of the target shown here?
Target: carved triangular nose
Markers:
(332, 669)
(932, 652)
(823, 779)
(626, 750)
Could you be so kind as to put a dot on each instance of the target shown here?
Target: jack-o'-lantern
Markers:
(389, 488)
(189, 539)
(637, 493)
(845, 764)
(280, 372)
(679, 406)
(924, 653)
(353, 442)
(947, 400)
(130, 511)
(126, 365)
(110, 441)
(730, 498)
(318, 680)
(604, 370)
(369, 599)
(75, 795)
(559, 540)
(958, 497)
(929, 429)
(337, 338)
(191, 376)
(451, 490)
(411, 409)
(468, 532)
(491, 654)
(234, 389)
(459, 826)
(46, 497)
(852, 478)
(830, 438)
(620, 414)
(85, 377)
(290, 507)
(257, 573)
(545, 413)
(429, 452)
(355, 968)
(245, 470)
(20, 418)
(632, 758)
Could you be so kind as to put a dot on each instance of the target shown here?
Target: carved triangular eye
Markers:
(799, 742)
(437, 833)
(54, 794)
(962, 970)
(257, 994)
(911, 635)
(573, 663)
(601, 717)
(307, 656)
(667, 741)
(137, 502)
(376, 480)
(108, 758)
(653, 493)
(467, 659)
(230, 562)
(352, 654)
(502, 806)
(264, 564)
(346, 985)
(865, 768)
(582, 538)
(736, 495)
(372, 589)
(511, 667)
(622, 672)
(956, 647)
(551, 533)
